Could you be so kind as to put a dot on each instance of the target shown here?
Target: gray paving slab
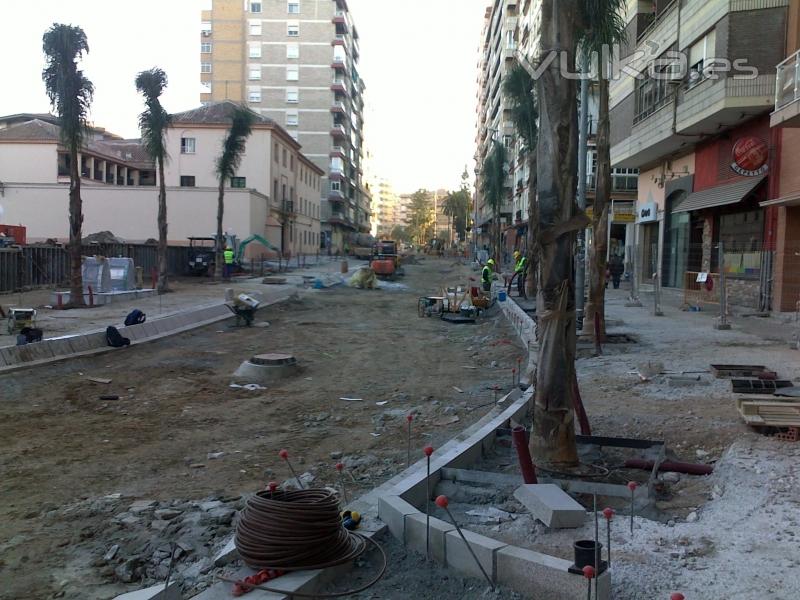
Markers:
(460, 558)
(551, 505)
(416, 535)
(393, 510)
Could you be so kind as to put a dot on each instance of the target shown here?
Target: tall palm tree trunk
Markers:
(219, 260)
(163, 285)
(75, 225)
(531, 283)
(553, 439)
(596, 306)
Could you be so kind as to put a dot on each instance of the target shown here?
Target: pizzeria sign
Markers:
(750, 157)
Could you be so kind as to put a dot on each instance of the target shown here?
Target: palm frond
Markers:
(69, 90)
(604, 22)
(242, 120)
(519, 88)
(154, 121)
(494, 175)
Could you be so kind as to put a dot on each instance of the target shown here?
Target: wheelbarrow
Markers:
(244, 307)
(19, 318)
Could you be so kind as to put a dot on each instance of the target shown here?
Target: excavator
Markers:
(247, 241)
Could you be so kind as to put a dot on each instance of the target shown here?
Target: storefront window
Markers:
(742, 236)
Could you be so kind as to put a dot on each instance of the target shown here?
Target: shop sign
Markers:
(750, 156)
(647, 213)
(624, 213)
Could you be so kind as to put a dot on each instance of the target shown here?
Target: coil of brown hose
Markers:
(295, 530)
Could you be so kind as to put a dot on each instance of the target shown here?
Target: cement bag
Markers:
(363, 279)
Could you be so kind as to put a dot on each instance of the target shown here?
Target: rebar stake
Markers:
(284, 454)
(339, 468)
(428, 450)
(632, 485)
(442, 502)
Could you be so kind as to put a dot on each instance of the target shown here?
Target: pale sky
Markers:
(417, 58)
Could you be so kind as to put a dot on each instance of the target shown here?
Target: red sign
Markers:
(750, 156)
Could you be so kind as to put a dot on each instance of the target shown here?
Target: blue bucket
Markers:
(501, 296)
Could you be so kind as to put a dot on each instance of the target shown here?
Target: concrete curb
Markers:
(16, 358)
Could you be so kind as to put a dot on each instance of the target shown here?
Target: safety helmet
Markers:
(517, 254)
(490, 262)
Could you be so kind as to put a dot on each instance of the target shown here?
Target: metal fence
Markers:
(28, 267)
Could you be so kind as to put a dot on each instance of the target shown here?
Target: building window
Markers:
(654, 92)
(336, 186)
(701, 56)
(285, 161)
(292, 117)
(187, 145)
(205, 48)
(292, 95)
(255, 7)
(205, 28)
(205, 67)
(238, 182)
(187, 180)
(293, 8)
(291, 163)
(206, 85)
(255, 28)
(255, 51)
(293, 29)
(254, 73)
(275, 152)
(292, 50)
(292, 73)
(254, 96)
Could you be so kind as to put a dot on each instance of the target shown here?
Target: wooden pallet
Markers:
(772, 413)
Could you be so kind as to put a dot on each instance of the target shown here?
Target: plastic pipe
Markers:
(525, 462)
(675, 467)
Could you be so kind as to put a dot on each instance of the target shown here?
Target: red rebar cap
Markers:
(428, 450)
(284, 454)
(441, 501)
(339, 466)
(608, 513)
(632, 485)
(588, 572)
(272, 485)
(409, 418)
(676, 596)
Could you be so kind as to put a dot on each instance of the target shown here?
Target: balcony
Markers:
(339, 63)
(787, 93)
(700, 109)
(510, 50)
(338, 131)
(337, 152)
(287, 207)
(340, 20)
(339, 85)
(339, 108)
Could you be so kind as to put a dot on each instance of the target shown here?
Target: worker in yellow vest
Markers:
(520, 271)
(487, 274)
(228, 256)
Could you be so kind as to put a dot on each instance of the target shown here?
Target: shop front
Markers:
(647, 240)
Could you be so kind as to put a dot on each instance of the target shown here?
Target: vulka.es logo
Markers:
(647, 62)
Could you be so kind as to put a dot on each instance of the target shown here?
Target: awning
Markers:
(793, 200)
(719, 196)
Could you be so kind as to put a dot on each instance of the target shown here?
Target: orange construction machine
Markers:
(385, 260)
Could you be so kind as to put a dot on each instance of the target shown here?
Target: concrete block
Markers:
(538, 575)
(78, 343)
(156, 592)
(470, 452)
(150, 330)
(416, 537)
(60, 347)
(551, 505)
(413, 489)
(460, 558)
(393, 510)
(25, 354)
(10, 355)
(133, 332)
(222, 591)
(96, 340)
(227, 554)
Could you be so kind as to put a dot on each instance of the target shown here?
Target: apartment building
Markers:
(785, 198)
(274, 194)
(386, 208)
(695, 122)
(296, 62)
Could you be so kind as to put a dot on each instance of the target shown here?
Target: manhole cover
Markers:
(273, 360)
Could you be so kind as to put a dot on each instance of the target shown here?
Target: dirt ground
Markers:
(64, 451)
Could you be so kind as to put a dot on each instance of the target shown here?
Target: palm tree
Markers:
(494, 190)
(519, 88)
(553, 439)
(604, 27)
(242, 120)
(153, 123)
(70, 93)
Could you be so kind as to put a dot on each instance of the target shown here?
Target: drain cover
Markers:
(273, 360)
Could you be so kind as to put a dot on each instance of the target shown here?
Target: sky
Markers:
(418, 59)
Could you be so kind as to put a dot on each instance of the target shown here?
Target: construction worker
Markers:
(520, 271)
(228, 268)
(487, 274)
